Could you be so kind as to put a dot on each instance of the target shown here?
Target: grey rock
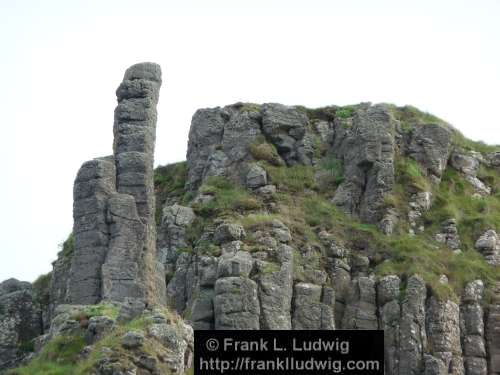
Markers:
(492, 337)
(361, 307)
(94, 184)
(389, 320)
(20, 322)
(172, 233)
(310, 311)
(449, 235)
(97, 328)
(133, 340)
(134, 130)
(443, 329)
(412, 334)
(228, 232)
(464, 163)
(256, 177)
(219, 140)
(489, 245)
(236, 304)
(388, 289)
(122, 275)
(177, 338)
(286, 128)
(473, 291)
(367, 149)
(275, 289)
(266, 190)
(238, 264)
(430, 146)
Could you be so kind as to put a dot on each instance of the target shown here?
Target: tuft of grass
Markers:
(409, 173)
(264, 151)
(345, 112)
(256, 221)
(292, 179)
(250, 107)
(460, 141)
(228, 197)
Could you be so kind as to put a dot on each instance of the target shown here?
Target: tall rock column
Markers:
(472, 329)
(131, 268)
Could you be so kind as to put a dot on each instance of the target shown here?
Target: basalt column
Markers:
(131, 269)
(94, 183)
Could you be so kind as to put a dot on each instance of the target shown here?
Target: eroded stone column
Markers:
(131, 268)
(94, 183)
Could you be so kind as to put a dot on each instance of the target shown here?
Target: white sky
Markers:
(61, 62)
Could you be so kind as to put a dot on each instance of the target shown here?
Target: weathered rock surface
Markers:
(367, 149)
(430, 145)
(472, 329)
(449, 235)
(20, 322)
(114, 229)
(489, 245)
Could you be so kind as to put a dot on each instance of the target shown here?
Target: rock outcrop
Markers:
(114, 205)
(20, 322)
(274, 223)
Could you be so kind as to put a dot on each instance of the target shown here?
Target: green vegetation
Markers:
(467, 144)
(409, 174)
(169, 181)
(58, 357)
(454, 198)
(262, 150)
(250, 107)
(61, 356)
(67, 247)
(345, 112)
(227, 198)
(292, 179)
(409, 116)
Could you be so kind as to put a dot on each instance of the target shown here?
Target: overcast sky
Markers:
(61, 62)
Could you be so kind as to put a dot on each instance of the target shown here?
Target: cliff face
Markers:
(357, 217)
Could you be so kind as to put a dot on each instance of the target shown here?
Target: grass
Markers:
(264, 151)
(228, 197)
(454, 198)
(345, 112)
(409, 173)
(58, 357)
(293, 179)
(61, 356)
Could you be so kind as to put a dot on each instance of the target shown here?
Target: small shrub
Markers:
(265, 151)
(345, 112)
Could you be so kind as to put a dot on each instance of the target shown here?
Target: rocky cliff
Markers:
(282, 217)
